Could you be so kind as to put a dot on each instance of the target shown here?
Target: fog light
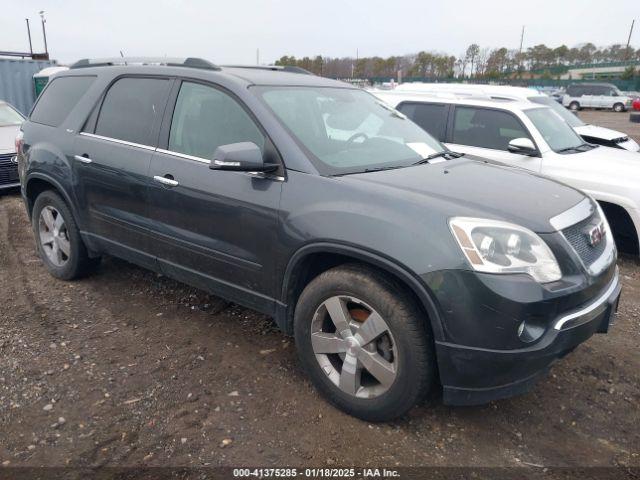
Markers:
(530, 331)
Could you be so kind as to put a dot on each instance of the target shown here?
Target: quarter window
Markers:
(59, 98)
(205, 118)
(481, 127)
(429, 116)
(131, 108)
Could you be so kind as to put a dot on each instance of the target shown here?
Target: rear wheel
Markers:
(57, 238)
(618, 107)
(574, 106)
(364, 343)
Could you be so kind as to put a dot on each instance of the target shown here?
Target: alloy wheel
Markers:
(54, 237)
(354, 346)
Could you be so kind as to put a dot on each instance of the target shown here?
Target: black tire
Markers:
(574, 106)
(78, 262)
(416, 367)
(618, 107)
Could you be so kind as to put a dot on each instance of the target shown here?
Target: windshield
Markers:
(347, 130)
(9, 116)
(566, 115)
(556, 132)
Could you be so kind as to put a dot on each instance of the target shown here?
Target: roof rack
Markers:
(191, 62)
(277, 68)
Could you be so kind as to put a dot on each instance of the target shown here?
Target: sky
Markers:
(231, 31)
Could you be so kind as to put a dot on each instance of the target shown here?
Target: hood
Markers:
(599, 132)
(472, 187)
(608, 166)
(8, 136)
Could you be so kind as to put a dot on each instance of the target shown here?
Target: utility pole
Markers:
(44, 33)
(29, 33)
(629, 39)
(520, 54)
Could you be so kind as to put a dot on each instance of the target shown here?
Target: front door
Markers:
(486, 132)
(111, 161)
(214, 229)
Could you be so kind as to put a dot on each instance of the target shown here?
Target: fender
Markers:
(285, 318)
(49, 179)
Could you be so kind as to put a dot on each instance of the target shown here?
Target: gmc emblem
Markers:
(596, 234)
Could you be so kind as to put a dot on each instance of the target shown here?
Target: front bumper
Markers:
(475, 375)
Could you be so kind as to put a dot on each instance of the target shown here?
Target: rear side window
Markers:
(481, 127)
(130, 109)
(59, 98)
(430, 117)
(574, 91)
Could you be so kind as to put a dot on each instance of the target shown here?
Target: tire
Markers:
(618, 107)
(58, 239)
(404, 348)
(574, 106)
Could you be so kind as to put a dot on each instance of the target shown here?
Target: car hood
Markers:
(8, 137)
(608, 162)
(599, 132)
(470, 186)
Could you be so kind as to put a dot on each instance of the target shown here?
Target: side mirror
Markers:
(240, 157)
(523, 146)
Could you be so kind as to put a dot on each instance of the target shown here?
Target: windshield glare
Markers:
(9, 116)
(347, 130)
(555, 131)
(566, 115)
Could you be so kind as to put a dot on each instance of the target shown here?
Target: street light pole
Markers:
(44, 32)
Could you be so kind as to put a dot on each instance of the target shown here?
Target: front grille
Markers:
(8, 169)
(578, 237)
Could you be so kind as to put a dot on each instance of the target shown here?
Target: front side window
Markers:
(481, 127)
(9, 116)
(130, 109)
(430, 116)
(205, 118)
(566, 115)
(555, 131)
(59, 98)
(346, 130)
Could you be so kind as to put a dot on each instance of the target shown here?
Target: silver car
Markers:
(10, 121)
(595, 95)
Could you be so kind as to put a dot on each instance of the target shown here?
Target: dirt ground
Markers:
(130, 368)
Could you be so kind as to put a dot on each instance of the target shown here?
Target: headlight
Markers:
(492, 246)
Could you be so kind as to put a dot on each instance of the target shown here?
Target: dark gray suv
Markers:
(398, 266)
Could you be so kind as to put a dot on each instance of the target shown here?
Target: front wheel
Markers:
(364, 343)
(574, 106)
(618, 107)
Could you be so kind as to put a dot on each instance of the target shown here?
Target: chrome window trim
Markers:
(117, 140)
(574, 215)
(183, 155)
(590, 308)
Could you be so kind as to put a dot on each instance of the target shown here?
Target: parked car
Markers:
(393, 262)
(595, 95)
(590, 133)
(10, 121)
(536, 138)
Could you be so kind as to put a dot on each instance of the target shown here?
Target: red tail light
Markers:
(19, 143)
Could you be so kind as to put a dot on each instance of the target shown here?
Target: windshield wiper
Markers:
(444, 154)
(578, 148)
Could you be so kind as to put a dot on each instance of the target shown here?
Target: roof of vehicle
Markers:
(472, 88)
(199, 68)
(395, 97)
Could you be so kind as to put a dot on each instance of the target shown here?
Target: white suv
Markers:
(595, 95)
(536, 138)
(590, 133)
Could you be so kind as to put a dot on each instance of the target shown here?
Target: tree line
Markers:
(474, 62)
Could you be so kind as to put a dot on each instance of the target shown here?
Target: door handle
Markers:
(83, 158)
(169, 182)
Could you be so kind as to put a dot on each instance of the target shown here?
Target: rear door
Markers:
(486, 132)
(214, 229)
(112, 157)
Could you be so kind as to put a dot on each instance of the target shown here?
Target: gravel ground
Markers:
(130, 368)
